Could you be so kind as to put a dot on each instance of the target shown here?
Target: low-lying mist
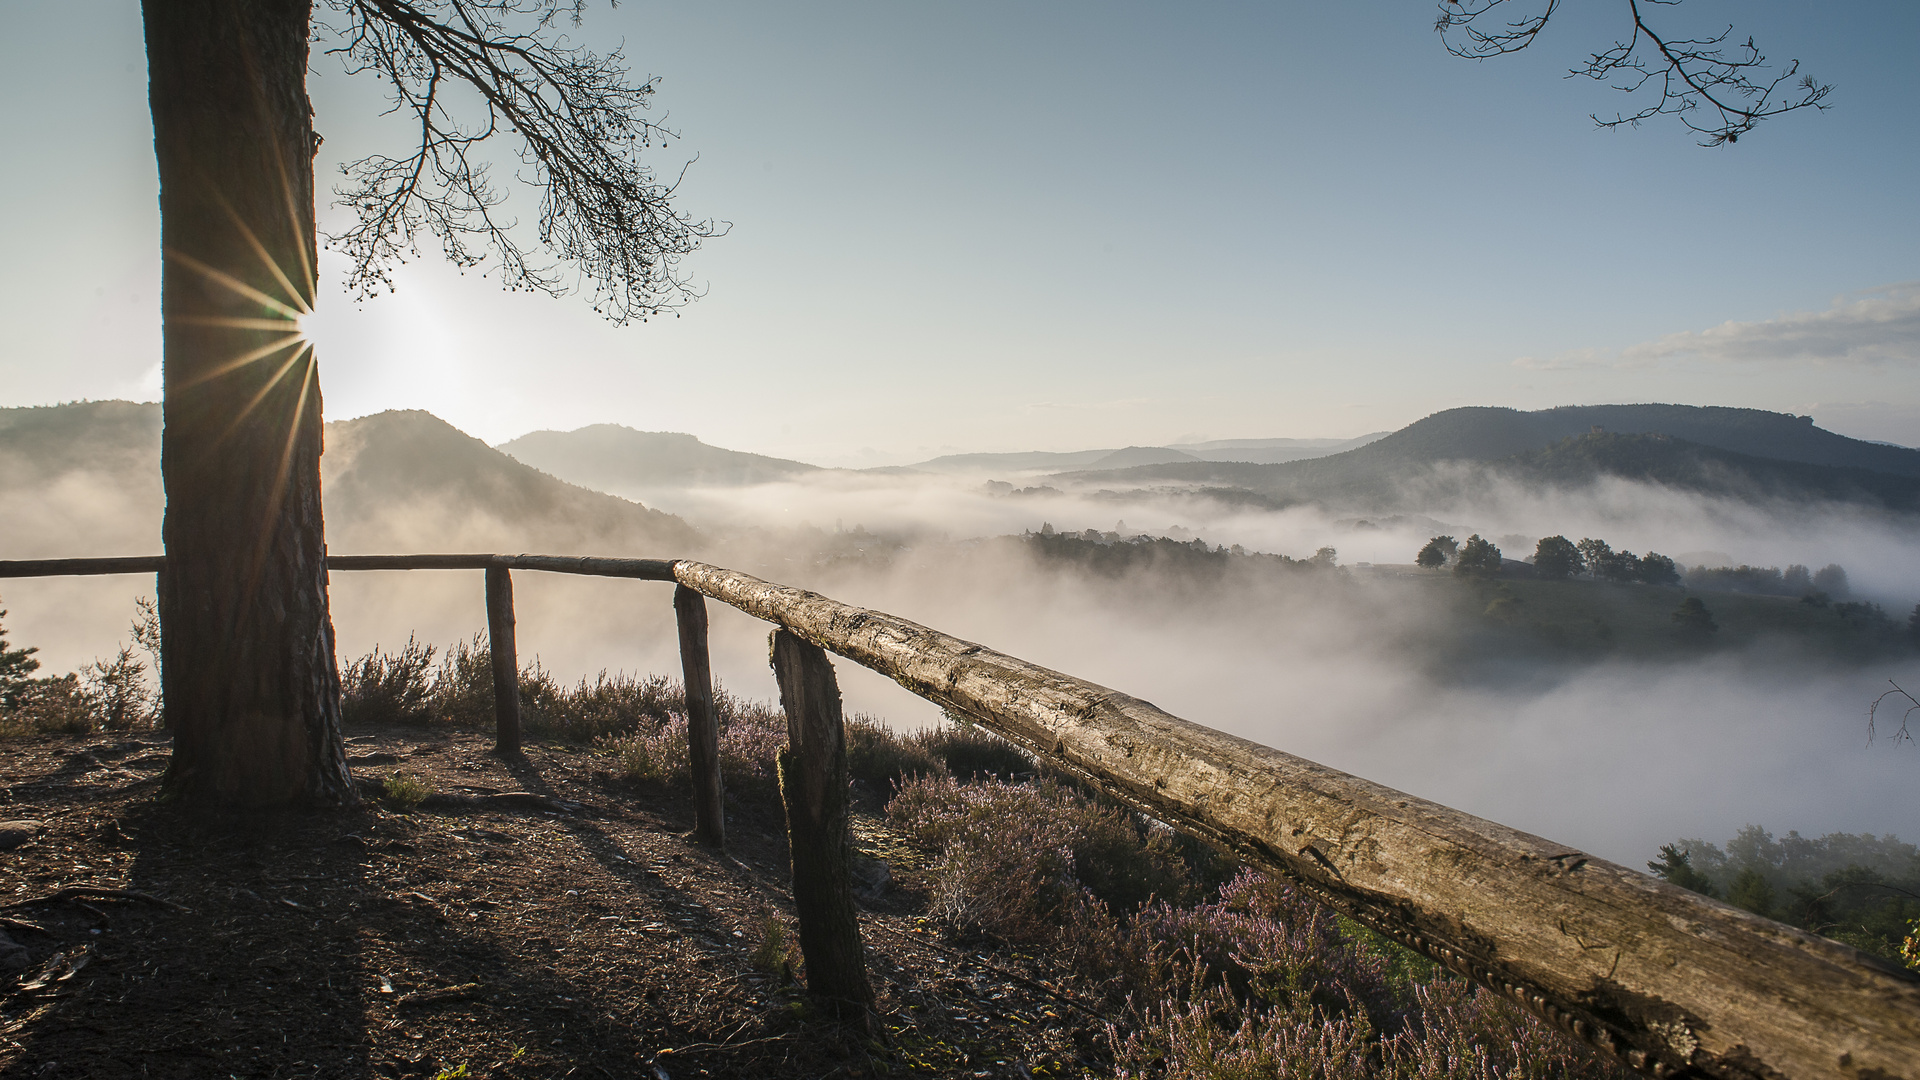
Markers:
(1387, 675)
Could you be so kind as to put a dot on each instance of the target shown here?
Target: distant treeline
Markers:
(1112, 553)
(1859, 889)
(1829, 581)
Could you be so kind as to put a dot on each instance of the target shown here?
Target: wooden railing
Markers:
(1673, 983)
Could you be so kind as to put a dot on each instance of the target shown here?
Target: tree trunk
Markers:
(251, 689)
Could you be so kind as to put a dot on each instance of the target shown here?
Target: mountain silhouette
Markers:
(609, 457)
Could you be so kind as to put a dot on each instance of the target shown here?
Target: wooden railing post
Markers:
(506, 660)
(703, 722)
(813, 784)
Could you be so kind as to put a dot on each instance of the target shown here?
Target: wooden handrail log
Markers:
(644, 569)
(131, 564)
(410, 562)
(1672, 982)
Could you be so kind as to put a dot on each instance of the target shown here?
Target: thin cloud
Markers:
(1876, 326)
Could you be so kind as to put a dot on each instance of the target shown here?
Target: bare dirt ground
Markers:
(470, 933)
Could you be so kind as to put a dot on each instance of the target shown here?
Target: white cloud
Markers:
(1876, 326)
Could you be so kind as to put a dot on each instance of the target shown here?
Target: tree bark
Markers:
(813, 784)
(252, 692)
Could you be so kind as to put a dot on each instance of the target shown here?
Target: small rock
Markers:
(13, 956)
(871, 877)
(15, 833)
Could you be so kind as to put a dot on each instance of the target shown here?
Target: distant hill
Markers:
(82, 478)
(1141, 455)
(1023, 461)
(1489, 434)
(1676, 463)
(410, 480)
(85, 479)
(1263, 451)
(1273, 451)
(609, 457)
(1743, 453)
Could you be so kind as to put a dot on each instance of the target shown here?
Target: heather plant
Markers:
(608, 705)
(389, 688)
(657, 756)
(1456, 1031)
(751, 735)
(971, 752)
(879, 757)
(1018, 861)
(1214, 1036)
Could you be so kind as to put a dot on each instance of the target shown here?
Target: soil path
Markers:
(469, 933)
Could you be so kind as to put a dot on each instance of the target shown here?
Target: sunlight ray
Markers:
(283, 473)
(234, 284)
(246, 358)
(300, 299)
(265, 389)
(236, 323)
(300, 227)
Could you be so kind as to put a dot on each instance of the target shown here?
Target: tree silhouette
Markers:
(1437, 553)
(1477, 558)
(1555, 558)
(1717, 87)
(1692, 621)
(250, 685)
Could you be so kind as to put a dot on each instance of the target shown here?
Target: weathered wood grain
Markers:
(813, 784)
(1672, 982)
(703, 721)
(133, 564)
(506, 659)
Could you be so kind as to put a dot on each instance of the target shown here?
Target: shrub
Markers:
(117, 694)
(16, 671)
(1692, 620)
(56, 705)
(1016, 860)
(878, 756)
(404, 792)
(658, 756)
(971, 752)
(778, 952)
(389, 688)
(751, 735)
(1461, 1032)
(608, 705)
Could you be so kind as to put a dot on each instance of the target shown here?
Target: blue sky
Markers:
(1001, 226)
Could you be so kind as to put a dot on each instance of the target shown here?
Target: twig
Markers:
(1912, 707)
(435, 997)
(691, 1047)
(77, 893)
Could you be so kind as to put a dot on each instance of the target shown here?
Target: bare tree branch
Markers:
(1718, 91)
(579, 120)
(1913, 706)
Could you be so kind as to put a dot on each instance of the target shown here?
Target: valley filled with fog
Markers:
(1614, 739)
